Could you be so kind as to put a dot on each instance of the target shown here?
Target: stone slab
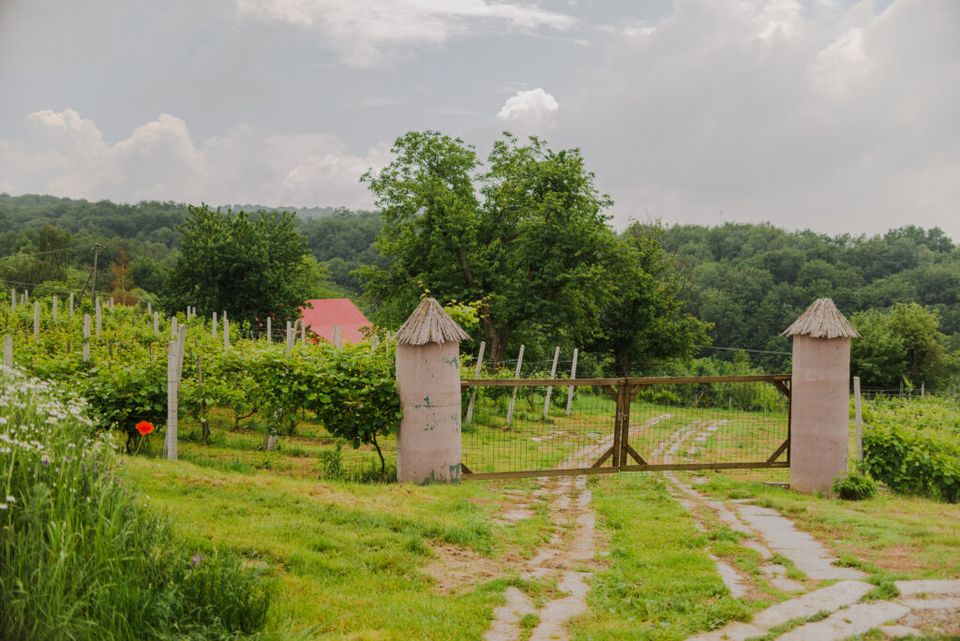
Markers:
(840, 625)
(932, 604)
(899, 631)
(732, 632)
(929, 586)
(828, 599)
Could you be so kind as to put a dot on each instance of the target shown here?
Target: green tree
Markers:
(523, 238)
(897, 344)
(250, 266)
(642, 317)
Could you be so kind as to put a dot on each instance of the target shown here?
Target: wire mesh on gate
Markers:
(511, 428)
(710, 423)
(535, 435)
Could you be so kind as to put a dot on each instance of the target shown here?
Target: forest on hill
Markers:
(747, 282)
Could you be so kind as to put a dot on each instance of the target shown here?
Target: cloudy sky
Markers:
(837, 115)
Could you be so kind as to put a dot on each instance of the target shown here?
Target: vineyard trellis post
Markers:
(513, 397)
(8, 351)
(476, 374)
(858, 416)
(226, 332)
(86, 337)
(36, 321)
(573, 375)
(56, 309)
(70, 316)
(269, 331)
(213, 326)
(99, 317)
(553, 374)
(174, 373)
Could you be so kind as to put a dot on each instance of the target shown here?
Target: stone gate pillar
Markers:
(820, 396)
(428, 381)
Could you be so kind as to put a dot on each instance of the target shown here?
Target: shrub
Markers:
(81, 557)
(854, 486)
(912, 461)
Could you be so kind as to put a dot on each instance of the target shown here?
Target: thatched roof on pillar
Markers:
(822, 320)
(429, 324)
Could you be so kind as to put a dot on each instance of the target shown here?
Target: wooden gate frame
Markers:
(624, 391)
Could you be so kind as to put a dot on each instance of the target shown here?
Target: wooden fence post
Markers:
(573, 375)
(269, 330)
(290, 337)
(553, 374)
(476, 374)
(99, 317)
(858, 416)
(337, 339)
(156, 324)
(56, 309)
(513, 398)
(8, 351)
(303, 332)
(226, 331)
(149, 309)
(170, 437)
(70, 316)
(36, 321)
(86, 337)
(213, 326)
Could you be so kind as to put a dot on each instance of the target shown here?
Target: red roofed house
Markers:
(323, 314)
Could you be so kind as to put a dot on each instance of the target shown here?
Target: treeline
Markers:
(46, 243)
(901, 288)
(746, 282)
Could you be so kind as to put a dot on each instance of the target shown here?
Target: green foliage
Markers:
(356, 397)
(903, 343)
(251, 266)
(854, 486)
(641, 317)
(911, 461)
(523, 237)
(81, 556)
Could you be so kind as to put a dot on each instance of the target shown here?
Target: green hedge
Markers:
(923, 462)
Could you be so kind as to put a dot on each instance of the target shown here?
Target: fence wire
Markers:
(516, 430)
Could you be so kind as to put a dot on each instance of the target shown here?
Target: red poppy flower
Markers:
(144, 427)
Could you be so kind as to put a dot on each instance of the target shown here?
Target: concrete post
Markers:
(428, 381)
(820, 398)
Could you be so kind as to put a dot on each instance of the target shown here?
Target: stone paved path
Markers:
(838, 610)
(846, 615)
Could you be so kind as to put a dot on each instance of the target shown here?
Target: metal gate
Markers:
(516, 428)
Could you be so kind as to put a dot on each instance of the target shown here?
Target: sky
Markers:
(841, 116)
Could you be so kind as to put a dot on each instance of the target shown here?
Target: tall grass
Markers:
(81, 556)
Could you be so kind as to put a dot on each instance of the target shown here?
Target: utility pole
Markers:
(96, 258)
(93, 273)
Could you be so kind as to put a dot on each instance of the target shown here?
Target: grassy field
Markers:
(356, 560)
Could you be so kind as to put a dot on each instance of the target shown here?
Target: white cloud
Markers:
(67, 155)
(832, 117)
(533, 108)
(362, 31)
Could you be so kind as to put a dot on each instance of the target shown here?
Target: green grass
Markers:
(350, 560)
(889, 536)
(659, 582)
(81, 557)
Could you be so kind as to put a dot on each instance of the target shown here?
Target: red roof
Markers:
(322, 314)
